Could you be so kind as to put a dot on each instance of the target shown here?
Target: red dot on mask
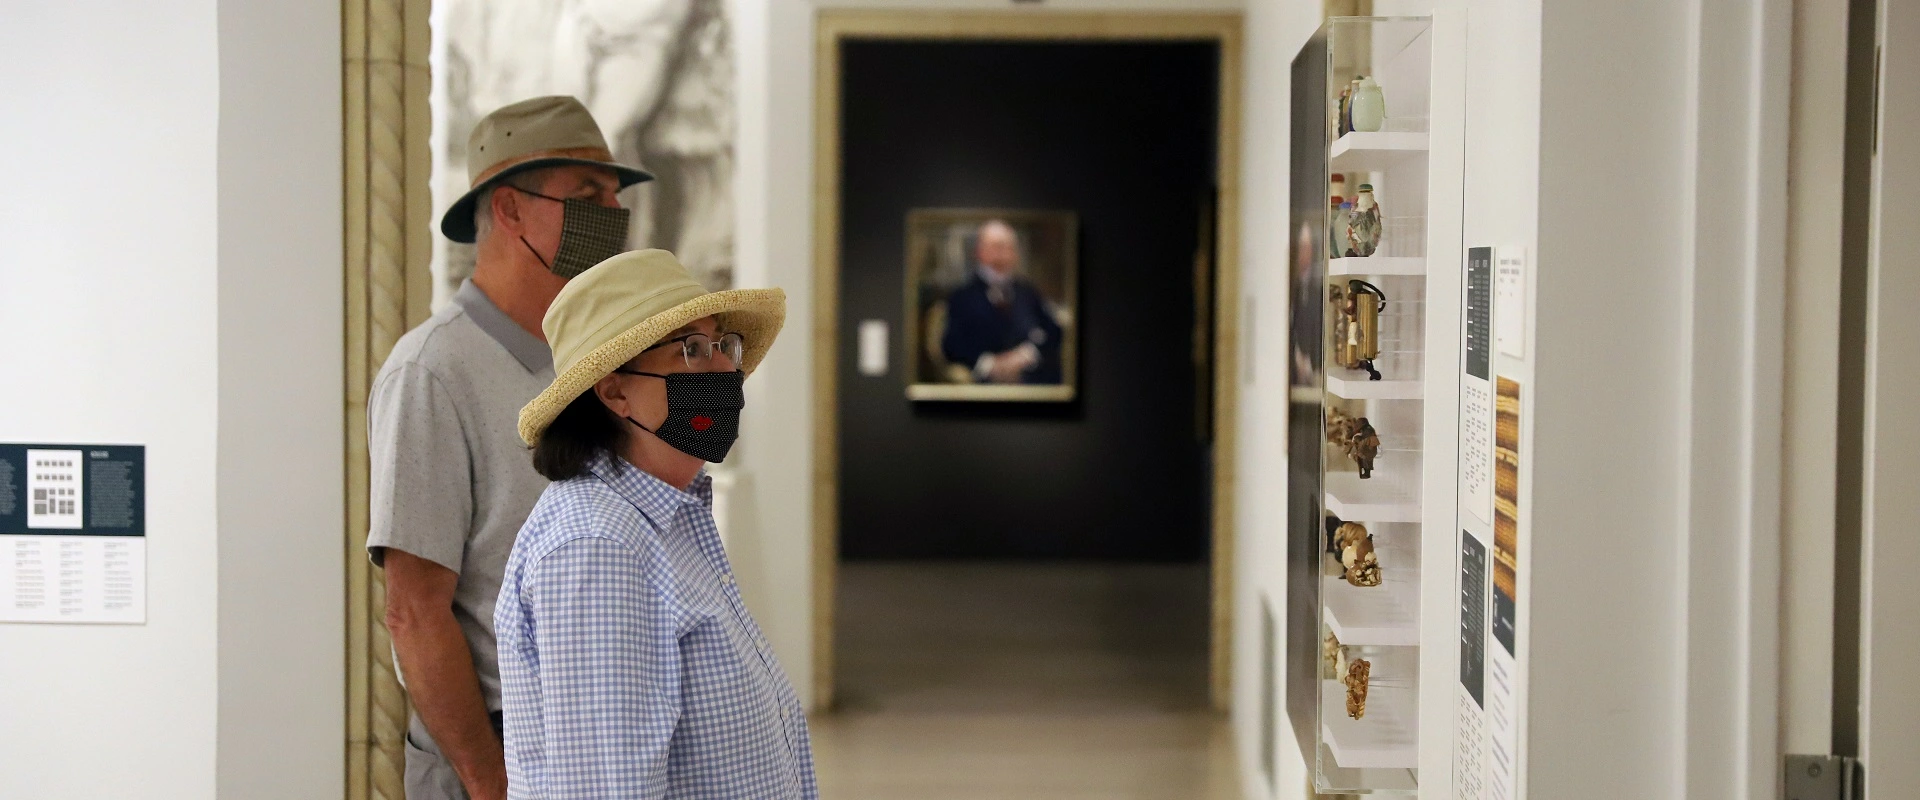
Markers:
(702, 423)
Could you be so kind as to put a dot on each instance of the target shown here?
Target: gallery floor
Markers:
(1049, 682)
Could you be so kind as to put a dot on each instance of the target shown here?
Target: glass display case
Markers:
(1359, 200)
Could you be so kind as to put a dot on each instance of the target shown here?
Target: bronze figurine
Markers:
(1364, 447)
(1355, 437)
(1356, 325)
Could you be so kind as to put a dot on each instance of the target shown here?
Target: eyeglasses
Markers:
(699, 348)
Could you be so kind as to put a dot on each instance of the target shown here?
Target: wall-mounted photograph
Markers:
(991, 304)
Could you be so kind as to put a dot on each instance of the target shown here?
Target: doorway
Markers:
(1119, 135)
(1134, 472)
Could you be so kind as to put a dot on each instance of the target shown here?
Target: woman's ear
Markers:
(612, 393)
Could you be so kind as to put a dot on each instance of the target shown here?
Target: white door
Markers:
(1890, 519)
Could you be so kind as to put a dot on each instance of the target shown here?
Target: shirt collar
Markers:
(525, 347)
(993, 278)
(655, 498)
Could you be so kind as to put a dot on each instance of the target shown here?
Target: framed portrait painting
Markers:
(992, 304)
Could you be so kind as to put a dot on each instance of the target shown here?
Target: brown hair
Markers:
(585, 429)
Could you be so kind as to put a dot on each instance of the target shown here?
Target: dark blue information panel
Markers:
(1473, 617)
(1504, 613)
(73, 490)
(1479, 321)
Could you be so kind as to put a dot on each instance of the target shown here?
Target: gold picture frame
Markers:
(941, 264)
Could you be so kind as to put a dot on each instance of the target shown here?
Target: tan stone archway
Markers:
(384, 46)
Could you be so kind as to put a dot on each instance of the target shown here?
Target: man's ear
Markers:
(506, 210)
(612, 393)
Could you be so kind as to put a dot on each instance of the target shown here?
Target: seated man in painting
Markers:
(998, 324)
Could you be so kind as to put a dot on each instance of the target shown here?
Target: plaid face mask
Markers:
(589, 234)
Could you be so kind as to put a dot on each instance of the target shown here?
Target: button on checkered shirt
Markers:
(629, 666)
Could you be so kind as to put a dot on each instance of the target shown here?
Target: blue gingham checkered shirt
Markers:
(629, 666)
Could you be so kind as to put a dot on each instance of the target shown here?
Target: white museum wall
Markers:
(1652, 434)
(280, 465)
(135, 318)
(1606, 425)
(1736, 138)
(1810, 459)
(120, 306)
(769, 524)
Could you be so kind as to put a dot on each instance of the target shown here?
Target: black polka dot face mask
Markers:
(703, 412)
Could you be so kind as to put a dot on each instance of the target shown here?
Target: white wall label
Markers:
(873, 347)
(73, 533)
(1510, 301)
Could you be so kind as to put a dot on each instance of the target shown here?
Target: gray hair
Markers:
(1001, 224)
(529, 180)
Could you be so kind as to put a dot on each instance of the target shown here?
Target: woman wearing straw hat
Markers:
(630, 667)
(449, 481)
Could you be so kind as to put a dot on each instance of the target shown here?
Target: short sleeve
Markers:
(420, 493)
(609, 674)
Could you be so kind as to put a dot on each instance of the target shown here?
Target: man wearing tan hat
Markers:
(630, 665)
(451, 483)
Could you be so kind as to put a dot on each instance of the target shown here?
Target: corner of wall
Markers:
(772, 532)
(281, 367)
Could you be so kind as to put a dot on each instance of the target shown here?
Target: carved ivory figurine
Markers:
(1340, 429)
(1357, 673)
(1360, 564)
(1333, 658)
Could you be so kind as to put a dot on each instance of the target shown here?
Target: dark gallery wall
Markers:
(1121, 134)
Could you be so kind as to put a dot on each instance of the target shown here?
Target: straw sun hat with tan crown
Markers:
(628, 303)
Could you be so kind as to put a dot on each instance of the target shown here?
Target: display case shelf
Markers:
(1359, 151)
(1374, 500)
(1384, 615)
(1379, 265)
(1334, 81)
(1386, 738)
(1357, 387)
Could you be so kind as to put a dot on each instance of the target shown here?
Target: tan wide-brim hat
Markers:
(554, 131)
(628, 303)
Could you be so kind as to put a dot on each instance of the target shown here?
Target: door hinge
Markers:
(1823, 778)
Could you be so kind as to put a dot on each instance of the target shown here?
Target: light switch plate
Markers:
(873, 347)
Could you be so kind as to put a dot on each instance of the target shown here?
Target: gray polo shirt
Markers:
(451, 481)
